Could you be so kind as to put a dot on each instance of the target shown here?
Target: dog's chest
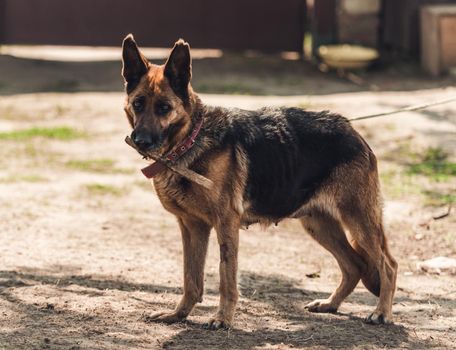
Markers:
(182, 198)
(174, 192)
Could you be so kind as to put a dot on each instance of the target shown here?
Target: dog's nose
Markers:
(142, 139)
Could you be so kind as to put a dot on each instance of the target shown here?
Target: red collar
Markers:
(157, 167)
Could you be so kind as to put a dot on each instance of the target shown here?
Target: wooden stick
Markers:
(178, 169)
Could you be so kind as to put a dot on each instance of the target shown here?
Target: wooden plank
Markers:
(401, 24)
(430, 54)
(438, 39)
(448, 41)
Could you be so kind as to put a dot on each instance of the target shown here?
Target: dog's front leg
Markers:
(228, 239)
(195, 237)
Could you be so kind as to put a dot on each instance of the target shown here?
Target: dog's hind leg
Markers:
(329, 233)
(371, 277)
(366, 229)
(195, 237)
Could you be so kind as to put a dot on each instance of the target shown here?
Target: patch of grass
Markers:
(434, 164)
(58, 133)
(92, 165)
(397, 184)
(436, 198)
(404, 152)
(98, 189)
(23, 178)
(17, 114)
(103, 165)
(30, 154)
(417, 174)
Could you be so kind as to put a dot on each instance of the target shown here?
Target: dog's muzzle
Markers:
(145, 140)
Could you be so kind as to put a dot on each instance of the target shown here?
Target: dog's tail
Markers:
(371, 276)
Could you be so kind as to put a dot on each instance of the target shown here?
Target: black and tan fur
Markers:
(266, 165)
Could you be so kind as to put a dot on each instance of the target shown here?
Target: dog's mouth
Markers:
(152, 151)
(149, 152)
(149, 148)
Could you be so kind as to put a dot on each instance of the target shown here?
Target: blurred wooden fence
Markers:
(264, 25)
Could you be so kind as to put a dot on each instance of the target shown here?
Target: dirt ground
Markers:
(86, 249)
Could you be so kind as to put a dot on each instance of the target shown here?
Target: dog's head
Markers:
(160, 100)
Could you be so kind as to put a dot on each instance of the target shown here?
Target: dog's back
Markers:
(290, 153)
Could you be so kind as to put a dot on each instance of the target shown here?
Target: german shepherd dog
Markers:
(265, 165)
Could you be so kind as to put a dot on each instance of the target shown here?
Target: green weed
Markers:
(103, 189)
(58, 133)
(433, 164)
(103, 165)
(23, 178)
(436, 198)
(397, 184)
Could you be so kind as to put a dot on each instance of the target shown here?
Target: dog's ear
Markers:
(178, 69)
(134, 64)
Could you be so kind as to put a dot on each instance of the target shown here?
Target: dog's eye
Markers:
(162, 108)
(138, 104)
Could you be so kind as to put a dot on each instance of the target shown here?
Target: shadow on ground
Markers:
(229, 74)
(71, 329)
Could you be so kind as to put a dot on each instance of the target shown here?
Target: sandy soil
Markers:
(86, 252)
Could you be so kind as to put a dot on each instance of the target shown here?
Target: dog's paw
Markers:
(378, 317)
(321, 305)
(164, 317)
(217, 323)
